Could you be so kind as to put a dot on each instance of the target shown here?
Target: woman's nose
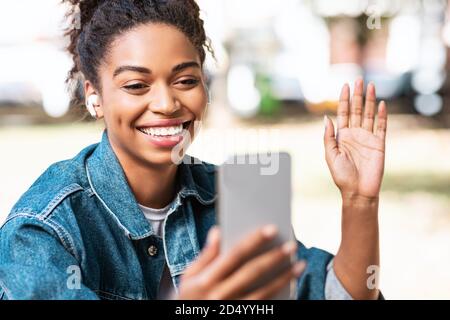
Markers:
(163, 101)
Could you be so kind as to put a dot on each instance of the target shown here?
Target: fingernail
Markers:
(344, 92)
(289, 247)
(325, 121)
(298, 268)
(269, 230)
(213, 234)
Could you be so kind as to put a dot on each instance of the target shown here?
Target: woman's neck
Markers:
(152, 186)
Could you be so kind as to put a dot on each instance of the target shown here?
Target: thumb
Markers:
(331, 147)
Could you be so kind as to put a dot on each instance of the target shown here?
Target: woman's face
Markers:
(153, 91)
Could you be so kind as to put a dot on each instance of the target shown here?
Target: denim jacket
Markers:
(78, 233)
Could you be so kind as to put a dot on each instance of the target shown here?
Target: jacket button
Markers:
(152, 250)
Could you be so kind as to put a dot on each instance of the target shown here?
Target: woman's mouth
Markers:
(165, 136)
(163, 131)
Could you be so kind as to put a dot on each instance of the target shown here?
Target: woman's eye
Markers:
(189, 82)
(136, 86)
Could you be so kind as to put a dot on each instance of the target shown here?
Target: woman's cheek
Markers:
(197, 103)
(127, 111)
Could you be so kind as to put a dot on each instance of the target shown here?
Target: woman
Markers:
(122, 220)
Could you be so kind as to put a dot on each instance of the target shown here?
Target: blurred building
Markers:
(33, 63)
(268, 53)
(309, 49)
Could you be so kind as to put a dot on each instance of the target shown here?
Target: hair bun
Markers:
(83, 10)
(93, 24)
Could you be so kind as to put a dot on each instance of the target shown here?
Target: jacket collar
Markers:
(107, 180)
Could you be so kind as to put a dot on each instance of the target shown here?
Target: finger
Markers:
(382, 121)
(240, 281)
(208, 254)
(357, 103)
(278, 284)
(227, 263)
(342, 111)
(331, 147)
(370, 107)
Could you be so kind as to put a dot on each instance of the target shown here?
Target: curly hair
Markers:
(94, 24)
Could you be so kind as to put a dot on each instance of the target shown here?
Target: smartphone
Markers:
(255, 190)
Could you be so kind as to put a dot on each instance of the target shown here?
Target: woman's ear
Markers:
(93, 100)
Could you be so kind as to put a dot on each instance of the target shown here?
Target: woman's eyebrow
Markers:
(177, 68)
(138, 69)
(185, 65)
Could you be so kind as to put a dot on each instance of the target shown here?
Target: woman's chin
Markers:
(164, 157)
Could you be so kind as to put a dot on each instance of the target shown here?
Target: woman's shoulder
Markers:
(59, 181)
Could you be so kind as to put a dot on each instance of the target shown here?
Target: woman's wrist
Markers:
(358, 200)
(358, 212)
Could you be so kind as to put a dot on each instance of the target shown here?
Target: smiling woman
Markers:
(147, 73)
(134, 224)
(146, 94)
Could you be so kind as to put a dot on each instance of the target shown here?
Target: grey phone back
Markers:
(252, 195)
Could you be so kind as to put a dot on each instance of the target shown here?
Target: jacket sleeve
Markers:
(311, 284)
(35, 262)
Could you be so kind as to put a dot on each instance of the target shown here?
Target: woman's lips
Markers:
(165, 133)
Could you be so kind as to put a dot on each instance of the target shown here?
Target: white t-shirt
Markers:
(156, 218)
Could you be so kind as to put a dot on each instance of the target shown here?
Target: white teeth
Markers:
(163, 131)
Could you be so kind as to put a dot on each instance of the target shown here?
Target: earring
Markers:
(91, 103)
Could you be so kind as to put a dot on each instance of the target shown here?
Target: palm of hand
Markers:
(359, 163)
(355, 156)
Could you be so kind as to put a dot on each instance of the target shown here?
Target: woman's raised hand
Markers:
(355, 154)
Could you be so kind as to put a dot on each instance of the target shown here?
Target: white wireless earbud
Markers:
(91, 103)
(209, 95)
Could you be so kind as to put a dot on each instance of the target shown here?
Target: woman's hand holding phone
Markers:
(231, 275)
